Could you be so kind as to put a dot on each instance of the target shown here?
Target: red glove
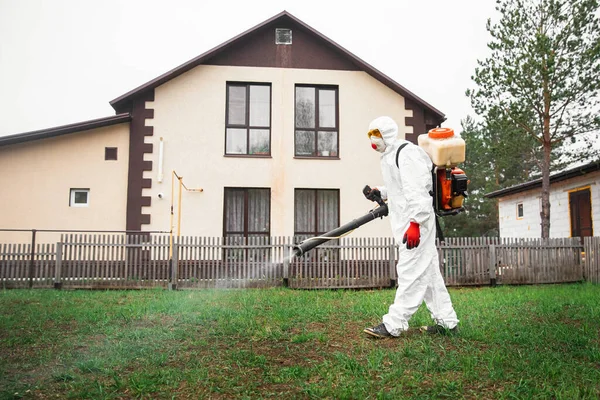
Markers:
(412, 236)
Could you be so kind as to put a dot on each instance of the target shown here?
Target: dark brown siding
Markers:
(307, 51)
(421, 121)
(416, 121)
(137, 148)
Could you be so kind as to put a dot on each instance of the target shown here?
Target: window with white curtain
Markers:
(316, 122)
(317, 211)
(247, 221)
(248, 119)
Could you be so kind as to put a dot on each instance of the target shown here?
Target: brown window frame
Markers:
(245, 232)
(247, 125)
(316, 231)
(317, 128)
(322, 253)
(232, 251)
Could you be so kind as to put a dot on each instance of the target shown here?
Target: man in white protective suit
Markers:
(408, 183)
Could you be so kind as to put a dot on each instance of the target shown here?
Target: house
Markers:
(574, 205)
(270, 125)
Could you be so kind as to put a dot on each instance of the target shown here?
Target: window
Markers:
(316, 133)
(247, 220)
(79, 198)
(519, 210)
(248, 119)
(110, 153)
(316, 211)
(283, 36)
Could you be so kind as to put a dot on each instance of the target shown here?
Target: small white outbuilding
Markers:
(574, 205)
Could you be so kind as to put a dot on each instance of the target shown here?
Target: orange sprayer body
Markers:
(451, 187)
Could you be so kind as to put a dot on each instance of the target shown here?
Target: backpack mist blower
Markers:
(449, 186)
(446, 151)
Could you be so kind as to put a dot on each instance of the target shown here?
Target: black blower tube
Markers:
(311, 243)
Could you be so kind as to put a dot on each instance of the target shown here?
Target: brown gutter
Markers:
(537, 183)
(64, 129)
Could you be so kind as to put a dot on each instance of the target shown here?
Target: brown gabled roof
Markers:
(537, 183)
(64, 129)
(121, 103)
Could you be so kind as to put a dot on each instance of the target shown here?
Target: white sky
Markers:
(62, 61)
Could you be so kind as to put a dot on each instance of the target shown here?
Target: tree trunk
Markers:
(547, 143)
(545, 213)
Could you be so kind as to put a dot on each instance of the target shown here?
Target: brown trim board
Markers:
(137, 148)
(421, 121)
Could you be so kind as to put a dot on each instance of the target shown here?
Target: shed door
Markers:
(581, 213)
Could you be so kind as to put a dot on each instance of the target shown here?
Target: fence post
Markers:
(286, 265)
(492, 268)
(392, 264)
(581, 253)
(58, 267)
(174, 267)
(32, 259)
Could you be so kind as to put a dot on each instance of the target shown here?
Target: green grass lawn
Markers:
(515, 342)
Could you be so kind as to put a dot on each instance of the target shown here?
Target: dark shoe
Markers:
(439, 329)
(378, 331)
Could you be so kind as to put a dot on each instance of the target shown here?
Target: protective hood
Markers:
(387, 127)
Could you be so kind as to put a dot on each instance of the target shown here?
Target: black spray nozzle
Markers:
(336, 233)
(373, 195)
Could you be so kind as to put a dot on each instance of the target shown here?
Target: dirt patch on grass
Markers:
(45, 363)
(309, 327)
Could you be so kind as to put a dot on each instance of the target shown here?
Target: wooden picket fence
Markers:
(209, 262)
(140, 261)
(478, 261)
(17, 270)
(354, 263)
(591, 257)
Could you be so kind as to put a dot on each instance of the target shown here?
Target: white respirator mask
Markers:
(376, 139)
(378, 144)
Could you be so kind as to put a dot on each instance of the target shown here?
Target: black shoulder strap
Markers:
(438, 229)
(398, 153)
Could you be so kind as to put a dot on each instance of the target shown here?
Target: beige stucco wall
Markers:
(189, 114)
(36, 178)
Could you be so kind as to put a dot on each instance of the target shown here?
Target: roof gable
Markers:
(307, 51)
(256, 47)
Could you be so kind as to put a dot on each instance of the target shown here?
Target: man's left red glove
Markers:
(412, 236)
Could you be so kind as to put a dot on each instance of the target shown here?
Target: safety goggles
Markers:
(374, 132)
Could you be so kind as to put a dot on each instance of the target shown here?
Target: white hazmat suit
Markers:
(407, 191)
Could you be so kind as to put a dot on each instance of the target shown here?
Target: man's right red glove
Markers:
(412, 236)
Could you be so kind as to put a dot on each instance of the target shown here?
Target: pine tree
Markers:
(494, 159)
(543, 77)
